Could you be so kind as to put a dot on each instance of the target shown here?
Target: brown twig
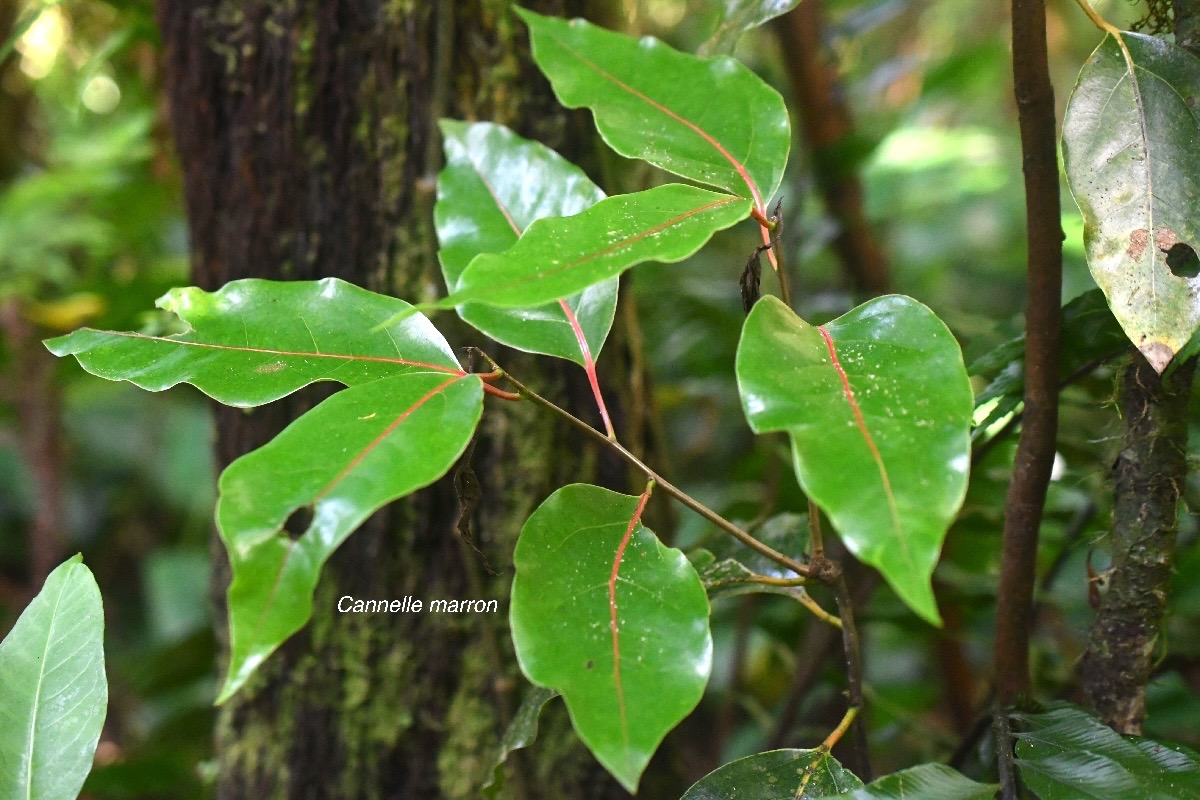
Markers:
(1043, 317)
(852, 646)
(742, 536)
(1035, 449)
(829, 133)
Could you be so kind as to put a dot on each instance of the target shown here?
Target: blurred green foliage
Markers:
(91, 232)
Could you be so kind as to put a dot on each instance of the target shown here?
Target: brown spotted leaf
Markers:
(1129, 146)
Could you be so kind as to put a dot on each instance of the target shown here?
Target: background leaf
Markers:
(1129, 146)
(520, 734)
(494, 185)
(738, 17)
(924, 782)
(625, 687)
(559, 257)
(254, 341)
(776, 775)
(53, 691)
(1066, 754)
(857, 396)
(733, 135)
(325, 474)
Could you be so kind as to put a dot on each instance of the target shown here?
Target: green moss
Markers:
(471, 742)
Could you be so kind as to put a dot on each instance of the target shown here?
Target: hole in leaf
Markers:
(1183, 261)
(298, 522)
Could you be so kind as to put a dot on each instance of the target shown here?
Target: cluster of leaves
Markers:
(602, 611)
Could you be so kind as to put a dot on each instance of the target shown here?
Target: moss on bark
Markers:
(307, 134)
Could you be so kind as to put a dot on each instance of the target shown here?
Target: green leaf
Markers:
(254, 341)
(776, 775)
(879, 394)
(710, 120)
(925, 782)
(520, 734)
(1129, 147)
(1064, 754)
(738, 17)
(603, 612)
(53, 692)
(327, 472)
(495, 185)
(558, 257)
(1090, 333)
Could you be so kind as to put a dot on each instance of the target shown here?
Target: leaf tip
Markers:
(1159, 354)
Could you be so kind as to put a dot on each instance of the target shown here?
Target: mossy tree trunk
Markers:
(307, 135)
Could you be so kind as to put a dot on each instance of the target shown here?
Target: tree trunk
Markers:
(307, 134)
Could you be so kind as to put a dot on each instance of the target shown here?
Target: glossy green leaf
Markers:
(738, 17)
(495, 185)
(254, 341)
(53, 691)
(333, 467)
(520, 734)
(1064, 754)
(558, 257)
(1129, 147)
(603, 612)
(878, 406)
(711, 120)
(925, 782)
(776, 775)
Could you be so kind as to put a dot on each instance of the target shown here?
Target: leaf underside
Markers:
(53, 690)
(1065, 754)
(495, 185)
(1129, 149)
(776, 775)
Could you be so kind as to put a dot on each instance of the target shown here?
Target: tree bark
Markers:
(1147, 478)
(308, 139)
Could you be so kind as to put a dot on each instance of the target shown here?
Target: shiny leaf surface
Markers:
(776, 775)
(558, 257)
(254, 341)
(1065, 754)
(53, 691)
(878, 406)
(926, 782)
(603, 612)
(738, 17)
(322, 477)
(713, 120)
(1129, 147)
(494, 185)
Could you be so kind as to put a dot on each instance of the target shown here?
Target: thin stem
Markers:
(1010, 781)
(770, 239)
(832, 739)
(852, 646)
(805, 599)
(1035, 449)
(589, 366)
(816, 541)
(668, 487)
(1097, 20)
(840, 731)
